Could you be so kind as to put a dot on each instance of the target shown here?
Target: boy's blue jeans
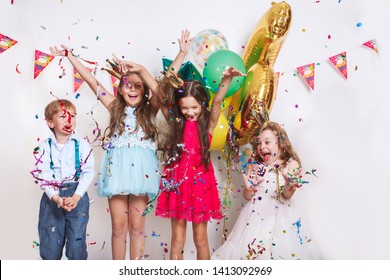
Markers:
(58, 227)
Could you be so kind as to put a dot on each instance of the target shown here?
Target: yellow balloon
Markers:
(220, 133)
(237, 120)
(258, 93)
(235, 103)
(225, 103)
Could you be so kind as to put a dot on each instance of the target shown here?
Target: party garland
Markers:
(307, 72)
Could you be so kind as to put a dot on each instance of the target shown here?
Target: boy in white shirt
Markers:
(65, 169)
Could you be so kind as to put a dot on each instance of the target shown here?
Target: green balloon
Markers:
(245, 87)
(216, 64)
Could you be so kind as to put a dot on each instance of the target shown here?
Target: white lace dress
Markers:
(268, 227)
(130, 165)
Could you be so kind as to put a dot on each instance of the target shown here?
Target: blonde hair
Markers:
(56, 106)
(284, 144)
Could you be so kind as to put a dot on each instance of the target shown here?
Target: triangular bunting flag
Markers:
(372, 45)
(115, 84)
(41, 61)
(6, 43)
(77, 79)
(307, 72)
(340, 61)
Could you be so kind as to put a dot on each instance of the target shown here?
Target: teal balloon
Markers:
(187, 72)
(216, 64)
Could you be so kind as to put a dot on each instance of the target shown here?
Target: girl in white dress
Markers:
(268, 227)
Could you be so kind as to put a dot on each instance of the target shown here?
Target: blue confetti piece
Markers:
(77, 95)
(359, 24)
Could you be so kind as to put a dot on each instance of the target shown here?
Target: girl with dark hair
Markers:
(188, 190)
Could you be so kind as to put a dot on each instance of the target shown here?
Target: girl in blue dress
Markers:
(129, 171)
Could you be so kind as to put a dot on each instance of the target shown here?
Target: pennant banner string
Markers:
(306, 71)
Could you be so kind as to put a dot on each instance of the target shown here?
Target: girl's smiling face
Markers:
(268, 147)
(190, 108)
(132, 90)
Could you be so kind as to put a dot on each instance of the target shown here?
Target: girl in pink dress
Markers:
(188, 187)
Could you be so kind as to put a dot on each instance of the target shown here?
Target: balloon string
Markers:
(231, 151)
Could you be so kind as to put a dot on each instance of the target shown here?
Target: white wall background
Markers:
(343, 133)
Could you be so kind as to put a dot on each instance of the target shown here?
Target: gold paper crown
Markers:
(113, 68)
(173, 78)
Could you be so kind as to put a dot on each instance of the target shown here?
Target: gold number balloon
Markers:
(259, 57)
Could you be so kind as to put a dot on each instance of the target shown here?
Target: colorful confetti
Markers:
(17, 69)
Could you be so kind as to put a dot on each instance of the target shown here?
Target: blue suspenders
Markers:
(77, 159)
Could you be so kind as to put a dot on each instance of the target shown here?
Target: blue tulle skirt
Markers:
(129, 170)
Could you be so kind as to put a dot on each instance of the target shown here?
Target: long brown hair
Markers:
(286, 150)
(176, 123)
(144, 112)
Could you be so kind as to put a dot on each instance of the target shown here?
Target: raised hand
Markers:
(59, 52)
(232, 72)
(129, 66)
(185, 41)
